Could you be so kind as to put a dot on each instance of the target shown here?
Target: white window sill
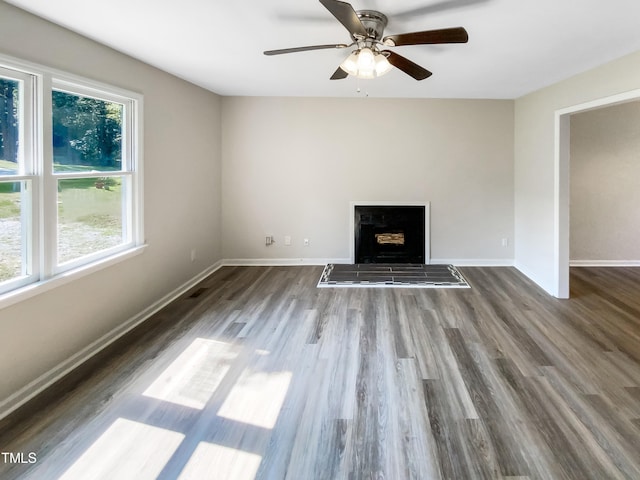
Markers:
(36, 288)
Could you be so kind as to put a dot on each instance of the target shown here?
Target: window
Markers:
(70, 174)
(93, 173)
(16, 179)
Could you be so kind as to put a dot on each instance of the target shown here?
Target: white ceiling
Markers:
(515, 47)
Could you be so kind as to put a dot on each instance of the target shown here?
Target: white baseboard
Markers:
(604, 263)
(47, 379)
(474, 262)
(281, 262)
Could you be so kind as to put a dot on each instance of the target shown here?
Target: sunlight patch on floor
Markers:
(126, 450)
(256, 398)
(215, 461)
(192, 378)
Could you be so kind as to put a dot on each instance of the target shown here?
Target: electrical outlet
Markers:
(306, 242)
(268, 240)
(505, 242)
(287, 240)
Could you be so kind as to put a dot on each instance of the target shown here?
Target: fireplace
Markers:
(389, 233)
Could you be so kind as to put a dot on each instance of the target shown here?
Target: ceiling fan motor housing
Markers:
(374, 22)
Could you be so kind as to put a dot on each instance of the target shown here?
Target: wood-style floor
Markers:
(256, 373)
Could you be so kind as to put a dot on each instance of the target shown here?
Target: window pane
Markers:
(89, 216)
(9, 126)
(14, 261)
(87, 133)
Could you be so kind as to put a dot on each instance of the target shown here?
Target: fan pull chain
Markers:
(358, 90)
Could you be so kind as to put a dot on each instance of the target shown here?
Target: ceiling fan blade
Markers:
(407, 66)
(444, 35)
(339, 74)
(304, 49)
(346, 15)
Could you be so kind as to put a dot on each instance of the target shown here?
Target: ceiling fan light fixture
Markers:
(366, 59)
(366, 73)
(350, 65)
(382, 65)
(366, 64)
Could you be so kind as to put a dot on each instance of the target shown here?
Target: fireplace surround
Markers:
(386, 232)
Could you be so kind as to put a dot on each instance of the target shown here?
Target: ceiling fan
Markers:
(370, 59)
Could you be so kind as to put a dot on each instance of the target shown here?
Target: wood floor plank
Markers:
(449, 371)
(479, 450)
(417, 444)
(536, 455)
(257, 374)
(446, 430)
(423, 342)
(508, 457)
(564, 436)
(276, 460)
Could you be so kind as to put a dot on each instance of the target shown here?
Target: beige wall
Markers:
(535, 210)
(182, 204)
(605, 184)
(292, 165)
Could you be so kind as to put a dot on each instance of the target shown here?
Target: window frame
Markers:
(127, 170)
(26, 175)
(46, 273)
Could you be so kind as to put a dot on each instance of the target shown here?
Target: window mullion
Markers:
(134, 122)
(33, 165)
(49, 202)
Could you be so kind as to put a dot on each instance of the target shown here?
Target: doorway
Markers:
(562, 185)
